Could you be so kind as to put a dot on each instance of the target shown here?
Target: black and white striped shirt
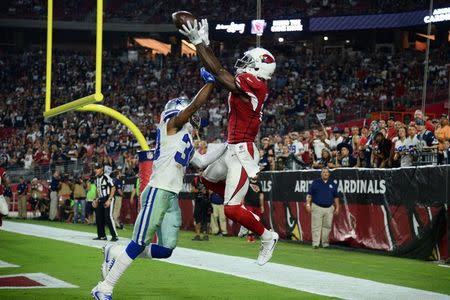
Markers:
(104, 184)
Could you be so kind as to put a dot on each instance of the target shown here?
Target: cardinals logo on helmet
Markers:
(265, 58)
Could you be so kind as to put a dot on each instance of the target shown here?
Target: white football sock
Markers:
(267, 235)
(123, 261)
(147, 253)
(116, 250)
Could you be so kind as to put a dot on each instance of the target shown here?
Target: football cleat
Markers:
(266, 250)
(99, 295)
(108, 260)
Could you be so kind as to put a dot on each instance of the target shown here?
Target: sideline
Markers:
(306, 280)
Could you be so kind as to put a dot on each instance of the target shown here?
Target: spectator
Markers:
(22, 190)
(418, 115)
(345, 159)
(118, 183)
(7, 193)
(442, 135)
(426, 138)
(322, 202)
(336, 138)
(446, 153)
(381, 152)
(319, 143)
(324, 161)
(391, 130)
(401, 149)
(54, 188)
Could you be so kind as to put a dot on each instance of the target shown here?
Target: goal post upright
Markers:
(85, 103)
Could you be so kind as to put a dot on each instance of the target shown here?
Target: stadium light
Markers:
(325, 38)
(347, 41)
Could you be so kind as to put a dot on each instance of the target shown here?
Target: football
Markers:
(182, 17)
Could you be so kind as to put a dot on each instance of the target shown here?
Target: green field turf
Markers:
(146, 279)
(79, 265)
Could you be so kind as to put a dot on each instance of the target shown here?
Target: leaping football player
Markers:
(159, 211)
(248, 90)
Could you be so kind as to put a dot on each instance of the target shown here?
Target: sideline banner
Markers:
(403, 211)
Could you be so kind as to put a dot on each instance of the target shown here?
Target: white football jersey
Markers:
(171, 157)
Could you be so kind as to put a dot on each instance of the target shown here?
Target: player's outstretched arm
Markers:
(198, 35)
(202, 96)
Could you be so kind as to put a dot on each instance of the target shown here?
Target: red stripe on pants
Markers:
(241, 183)
(250, 149)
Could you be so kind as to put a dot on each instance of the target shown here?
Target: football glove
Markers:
(204, 31)
(206, 76)
(191, 31)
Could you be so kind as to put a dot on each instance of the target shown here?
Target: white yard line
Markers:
(4, 264)
(316, 282)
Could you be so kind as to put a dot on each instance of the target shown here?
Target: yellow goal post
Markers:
(90, 102)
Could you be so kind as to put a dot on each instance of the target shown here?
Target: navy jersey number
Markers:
(184, 158)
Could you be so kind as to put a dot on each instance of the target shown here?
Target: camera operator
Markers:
(35, 195)
(22, 189)
(201, 209)
(79, 195)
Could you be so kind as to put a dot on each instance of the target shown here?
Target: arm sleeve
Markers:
(335, 191)
(249, 84)
(202, 161)
(310, 189)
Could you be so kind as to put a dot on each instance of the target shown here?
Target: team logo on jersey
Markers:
(330, 186)
(265, 58)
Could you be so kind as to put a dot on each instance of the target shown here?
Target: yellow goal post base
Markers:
(85, 103)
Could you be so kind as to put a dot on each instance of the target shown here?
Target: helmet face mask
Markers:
(243, 63)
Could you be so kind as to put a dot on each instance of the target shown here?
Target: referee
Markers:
(325, 202)
(104, 204)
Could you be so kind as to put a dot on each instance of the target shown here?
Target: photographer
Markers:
(35, 195)
(201, 210)
(79, 196)
(22, 189)
(65, 194)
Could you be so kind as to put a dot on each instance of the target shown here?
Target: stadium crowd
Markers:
(336, 87)
(156, 12)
